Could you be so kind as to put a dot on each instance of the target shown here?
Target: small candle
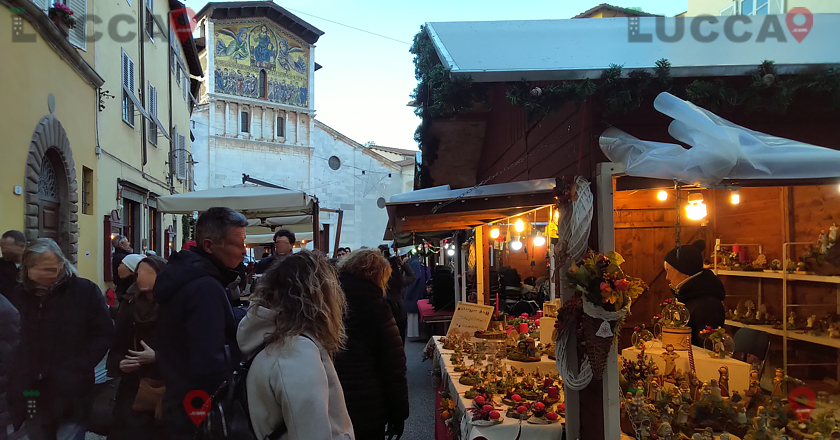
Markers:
(537, 322)
(548, 382)
(553, 392)
(523, 327)
(524, 316)
(539, 313)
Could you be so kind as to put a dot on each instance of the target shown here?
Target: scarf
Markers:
(42, 291)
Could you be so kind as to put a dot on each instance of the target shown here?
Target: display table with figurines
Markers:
(494, 396)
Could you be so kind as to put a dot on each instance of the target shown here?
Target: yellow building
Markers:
(144, 130)
(607, 11)
(49, 165)
(758, 7)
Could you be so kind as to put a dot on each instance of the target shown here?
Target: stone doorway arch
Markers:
(51, 190)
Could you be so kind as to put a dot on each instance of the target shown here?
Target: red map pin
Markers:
(183, 22)
(802, 410)
(799, 32)
(197, 415)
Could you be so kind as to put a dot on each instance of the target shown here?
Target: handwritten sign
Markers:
(470, 318)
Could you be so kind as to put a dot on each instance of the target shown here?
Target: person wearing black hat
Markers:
(699, 289)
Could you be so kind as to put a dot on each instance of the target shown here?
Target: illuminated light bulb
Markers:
(663, 195)
(556, 216)
(736, 198)
(494, 233)
(696, 209)
(516, 245)
(450, 252)
(519, 225)
(539, 240)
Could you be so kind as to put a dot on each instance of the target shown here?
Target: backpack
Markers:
(228, 416)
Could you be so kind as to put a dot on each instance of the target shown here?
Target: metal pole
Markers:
(455, 269)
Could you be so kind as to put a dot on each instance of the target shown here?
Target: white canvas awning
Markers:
(296, 224)
(720, 150)
(254, 202)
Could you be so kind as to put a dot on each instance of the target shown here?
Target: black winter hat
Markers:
(690, 260)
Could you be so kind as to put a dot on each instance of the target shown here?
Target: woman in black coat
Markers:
(699, 289)
(372, 368)
(65, 332)
(132, 357)
(9, 339)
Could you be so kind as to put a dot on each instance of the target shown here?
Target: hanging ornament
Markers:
(536, 91)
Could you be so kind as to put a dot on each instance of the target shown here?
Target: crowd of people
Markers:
(325, 337)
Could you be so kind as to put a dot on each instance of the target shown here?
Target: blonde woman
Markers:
(372, 367)
(293, 388)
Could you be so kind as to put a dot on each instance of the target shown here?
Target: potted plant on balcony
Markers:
(62, 16)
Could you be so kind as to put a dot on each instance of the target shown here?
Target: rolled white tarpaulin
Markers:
(720, 150)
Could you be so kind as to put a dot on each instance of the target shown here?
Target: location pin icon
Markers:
(799, 32)
(802, 401)
(197, 414)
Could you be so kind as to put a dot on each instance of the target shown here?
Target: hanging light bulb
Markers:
(516, 244)
(556, 216)
(519, 225)
(539, 240)
(736, 197)
(695, 209)
(450, 252)
(494, 233)
(663, 195)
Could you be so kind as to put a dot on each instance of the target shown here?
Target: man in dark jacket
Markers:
(11, 245)
(284, 241)
(9, 339)
(195, 320)
(699, 289)
(401, 276)
(413, 293)
(65, 332)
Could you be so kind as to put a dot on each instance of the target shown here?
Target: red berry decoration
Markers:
(479, 400)
(516, 398)
(487, 408)
(551, 416)
(539, 406)
(494, 415)
(561, 407)
(521, 409)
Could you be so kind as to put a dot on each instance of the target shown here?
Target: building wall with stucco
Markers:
(716, 7)
(31, 129)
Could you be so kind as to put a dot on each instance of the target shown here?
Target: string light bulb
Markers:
(516, 244)
(494, 233)
(663, 195)
(450, 252)
(519, 225)
(539, 240)
(735, 198)
(695, 209)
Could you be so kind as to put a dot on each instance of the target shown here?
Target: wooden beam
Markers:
(643, 225)
(338, 231)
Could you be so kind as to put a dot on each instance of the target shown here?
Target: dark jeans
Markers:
(402, 324)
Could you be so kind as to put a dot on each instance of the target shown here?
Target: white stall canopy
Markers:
(254, 202)
(720, 150)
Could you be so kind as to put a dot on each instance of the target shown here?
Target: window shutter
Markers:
(182, 157)
(78, 35)
(776, 7)
(186, 84)
(732, 9)
(125, 61)
(178, 74)
(44, 5)
(131, 76)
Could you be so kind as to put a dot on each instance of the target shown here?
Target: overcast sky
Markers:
(365, 83)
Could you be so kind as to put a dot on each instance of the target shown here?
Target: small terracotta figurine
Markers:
(682, 415)
(811, 321)
(724, 436)
(778, 381)
(755, 383)
(833, 331)
(670, 355)
(708, 434)
(833, 234)
(723, 383)
(760, 420)
(714, 390)
(823, 241)
(742, 413)
(665, 431)
(706, 391)
(792, 320)
(736, 397)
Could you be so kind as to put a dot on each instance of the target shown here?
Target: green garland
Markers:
(764, 90)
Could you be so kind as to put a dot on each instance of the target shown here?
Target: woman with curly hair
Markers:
(294, 327)
(372, 367)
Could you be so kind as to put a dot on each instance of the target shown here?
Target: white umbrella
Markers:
(255, 202)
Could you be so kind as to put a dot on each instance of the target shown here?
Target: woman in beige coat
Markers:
(293, 389)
